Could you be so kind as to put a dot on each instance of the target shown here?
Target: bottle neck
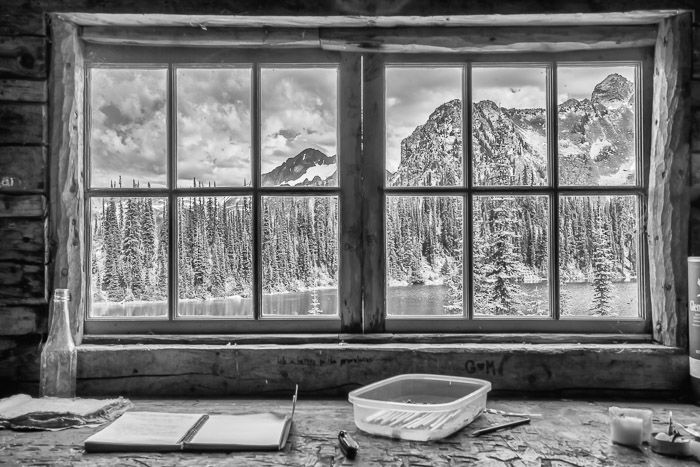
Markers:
(60, 322)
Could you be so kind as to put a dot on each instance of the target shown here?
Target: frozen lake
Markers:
(401, 301)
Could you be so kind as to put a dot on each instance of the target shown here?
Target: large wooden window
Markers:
(511, 191)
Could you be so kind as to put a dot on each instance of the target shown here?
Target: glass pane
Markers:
(596, 125)
(128, 257)
(300, 255)
(511, 256)
(213, 127)
(598, 255)
(424, 126)
(127, 128)
(214, 256)
(299, 115)
(509, 126)
(424, 255)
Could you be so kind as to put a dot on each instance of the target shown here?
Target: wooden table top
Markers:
(569, 433)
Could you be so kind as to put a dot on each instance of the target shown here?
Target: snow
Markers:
(322, 171)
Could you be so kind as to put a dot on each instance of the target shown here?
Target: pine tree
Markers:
(603, 267)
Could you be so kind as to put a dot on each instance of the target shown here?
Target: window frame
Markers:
(360, 173)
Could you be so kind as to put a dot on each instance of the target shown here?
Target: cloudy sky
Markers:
(510, 87)
(128, 135)
(578, 81)
(412, 94)
(299, 110)
(213, 126)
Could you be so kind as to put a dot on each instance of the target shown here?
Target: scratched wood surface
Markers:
(569, 433)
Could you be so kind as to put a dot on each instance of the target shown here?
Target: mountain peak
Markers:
(614, 88)
(295, 169)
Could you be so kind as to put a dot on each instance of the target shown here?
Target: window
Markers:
(511, 193)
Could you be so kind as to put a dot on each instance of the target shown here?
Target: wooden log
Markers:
(19, 371)
(23, 123)
(22, 206)
(695, 132)
(66, 232)
(23, 241)
(21, 320)
(334, 369)
(23, 57)
(198, 37)
(22, 90)
(411, 15)
(20, 17)
(669, 181)
(487, 39)
(696, 52)
(695, 93)
(373, 203)
(350, 128)
(21, 281)
(22, 168)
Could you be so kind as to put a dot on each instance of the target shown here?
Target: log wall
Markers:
(24, 126)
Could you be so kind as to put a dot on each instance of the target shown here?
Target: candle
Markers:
(644, 414)
(626, 430)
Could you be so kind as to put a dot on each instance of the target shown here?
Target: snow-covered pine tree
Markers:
(603, 269)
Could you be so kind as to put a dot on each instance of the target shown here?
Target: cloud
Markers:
(510, 87)
(578, 81)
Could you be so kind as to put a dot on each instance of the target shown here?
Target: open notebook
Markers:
(163, 432)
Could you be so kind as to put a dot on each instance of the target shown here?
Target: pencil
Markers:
(491, 429)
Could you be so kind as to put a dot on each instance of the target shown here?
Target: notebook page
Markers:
(238, 432)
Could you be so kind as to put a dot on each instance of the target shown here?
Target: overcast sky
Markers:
(510, 87)
(578, 82)
(213, 126)
(412, 94)
(128, 135)
(299, 110)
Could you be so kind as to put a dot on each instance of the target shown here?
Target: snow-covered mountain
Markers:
(309, 167)
(596, 142)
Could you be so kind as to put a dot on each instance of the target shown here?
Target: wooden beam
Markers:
(198, 37)
(66, 233)
(22, 90)
(22, 320)
(669, 180)
(22, 206)
(23, 241)
(216, 370)
(23, 123)
(20, 17)
(465, 16)
(21, 281)
(487, 39)
(23, 57)
(22, 168)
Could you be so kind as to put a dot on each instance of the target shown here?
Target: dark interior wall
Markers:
(24, 56)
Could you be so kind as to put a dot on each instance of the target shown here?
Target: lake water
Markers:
(401, 301)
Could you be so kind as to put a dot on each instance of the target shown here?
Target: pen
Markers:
(491, 429)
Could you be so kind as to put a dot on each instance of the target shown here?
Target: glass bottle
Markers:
(59, 356)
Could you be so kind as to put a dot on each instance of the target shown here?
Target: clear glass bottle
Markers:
(59, 356)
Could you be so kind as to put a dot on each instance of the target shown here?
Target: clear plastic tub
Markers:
(418, 407)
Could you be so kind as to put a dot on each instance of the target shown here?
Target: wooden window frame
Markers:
(667, 211)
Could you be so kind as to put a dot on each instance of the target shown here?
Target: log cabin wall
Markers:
(24, 144)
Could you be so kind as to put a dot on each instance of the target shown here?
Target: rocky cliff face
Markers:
(309, 167)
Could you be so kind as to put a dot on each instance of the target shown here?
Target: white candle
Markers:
(626, 430)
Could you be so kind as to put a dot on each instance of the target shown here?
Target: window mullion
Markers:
(468, 231)
(257, 221)
(553, 155)
(171, 167)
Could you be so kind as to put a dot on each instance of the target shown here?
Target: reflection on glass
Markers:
(127, 139)
(299, 117)
(598, 254)
(128, 257)
(596, 125)
(299, 255)
(424, 126)
(509, 126)
(511, 256)
(213, 127)
(424, 255)
(214, 260)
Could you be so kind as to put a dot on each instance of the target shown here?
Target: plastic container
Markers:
(418, 407)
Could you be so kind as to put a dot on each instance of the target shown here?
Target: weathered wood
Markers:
(21, 320)
(568, 433)
(19, 371)
(695, 132)
(337, 16)
(373, 202)
(21, 281)
(21, 17)
(23, 241)
(296, 339)
(668, 181)
(22, 90)
(350, 132)
(210, 370)
(696, 51)
(198, 37)
(22, 168)
(487, 39)
(695, 93)
(23, 57)
(66, 232)
(23, 123)
(22, 205)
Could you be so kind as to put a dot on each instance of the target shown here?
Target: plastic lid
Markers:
(61, 294)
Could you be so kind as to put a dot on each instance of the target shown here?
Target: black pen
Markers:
(491, 429)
